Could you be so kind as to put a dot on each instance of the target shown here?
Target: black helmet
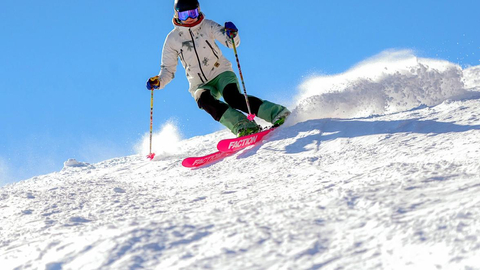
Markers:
(182, 5)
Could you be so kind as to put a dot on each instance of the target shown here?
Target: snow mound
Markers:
(71, 162)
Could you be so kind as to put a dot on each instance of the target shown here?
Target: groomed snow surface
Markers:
(377, 168)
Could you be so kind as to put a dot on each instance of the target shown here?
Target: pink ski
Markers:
(226, 148)
(195, 162)
(235, 144)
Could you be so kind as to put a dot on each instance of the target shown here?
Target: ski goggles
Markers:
(184, 15)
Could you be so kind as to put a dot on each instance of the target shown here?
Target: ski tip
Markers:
(187, 163)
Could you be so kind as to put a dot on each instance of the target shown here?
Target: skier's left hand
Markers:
(153, 83)
(231, 30)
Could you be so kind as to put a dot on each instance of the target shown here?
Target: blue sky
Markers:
(72, 73)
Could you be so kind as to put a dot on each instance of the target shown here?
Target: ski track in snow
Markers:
(389, 191)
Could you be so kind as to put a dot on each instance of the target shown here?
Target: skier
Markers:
(209, 73)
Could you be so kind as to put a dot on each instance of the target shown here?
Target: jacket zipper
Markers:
(198, 58)
(211, 47)
(200, 76)
(182, 58)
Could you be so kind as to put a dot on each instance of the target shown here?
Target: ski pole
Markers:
(151, 155)
(250, 115)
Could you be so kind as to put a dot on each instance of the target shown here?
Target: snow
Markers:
(374, 170)
(71, 162)
(388, 83)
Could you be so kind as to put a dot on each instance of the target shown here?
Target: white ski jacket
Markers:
(198, 52)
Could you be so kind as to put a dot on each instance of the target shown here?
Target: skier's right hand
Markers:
(153, 83)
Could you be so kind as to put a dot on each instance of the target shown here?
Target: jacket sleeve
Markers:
(220, 35)
(169, 63)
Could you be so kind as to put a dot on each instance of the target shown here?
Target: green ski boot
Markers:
(281, 117)
(248, 130)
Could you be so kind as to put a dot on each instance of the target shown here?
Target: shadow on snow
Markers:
(331, 129)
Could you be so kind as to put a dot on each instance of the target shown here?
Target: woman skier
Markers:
(209, 73)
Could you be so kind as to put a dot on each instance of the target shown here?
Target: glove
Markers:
(153, 83)
(231, 30)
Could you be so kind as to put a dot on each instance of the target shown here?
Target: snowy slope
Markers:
(366, 187)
